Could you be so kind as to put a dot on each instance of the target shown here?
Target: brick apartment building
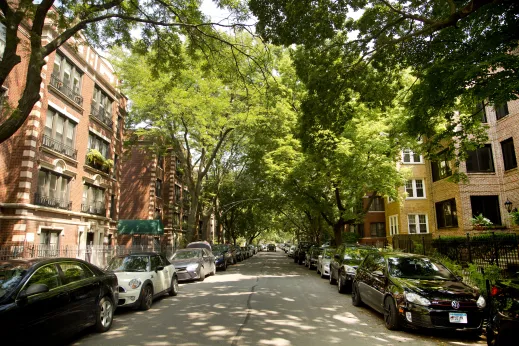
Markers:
(54, 190)
(152, 189)
(433, 205)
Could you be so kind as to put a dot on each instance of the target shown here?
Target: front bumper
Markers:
(430, 317)
(220, 263)
(128, 297)
(184, 275)
(326, 270)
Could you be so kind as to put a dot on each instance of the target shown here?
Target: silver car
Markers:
(291, 251)
(323, 261)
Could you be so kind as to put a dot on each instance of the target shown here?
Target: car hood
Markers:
(438, 289)
(182, 263)
(125, 277)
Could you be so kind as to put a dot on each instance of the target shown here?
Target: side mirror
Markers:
(159, 268)
(33, 289)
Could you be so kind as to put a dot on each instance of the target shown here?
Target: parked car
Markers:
(417, 291)
(238, 253)
(291, 251)
(503, 319)
(311, 256)
(344, 263)
(300, 252)
(222, 256)
(44, 299)
(253, 249)
(271, 247)
(323, 261)
(143, 277)
(199, 245)
(193, 264)
(245, 251)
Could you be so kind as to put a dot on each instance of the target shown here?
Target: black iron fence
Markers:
(96, 208)
(74, 95)
(483, 250)
(52, 202)
(61, 148)
(102, 115)
(99, 255)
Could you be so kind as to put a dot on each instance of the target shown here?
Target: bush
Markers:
(350, 237)
(478, 276)
(450, 264)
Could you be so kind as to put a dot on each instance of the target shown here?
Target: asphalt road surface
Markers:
(265, 300)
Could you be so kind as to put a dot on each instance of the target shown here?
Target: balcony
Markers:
(59, 147)
(104, 116)
(97, 164)
(65, 90)
(96, 208)
(52, 202)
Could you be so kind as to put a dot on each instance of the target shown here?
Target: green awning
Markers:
(151, 227)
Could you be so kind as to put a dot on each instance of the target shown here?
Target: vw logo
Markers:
(455, 304)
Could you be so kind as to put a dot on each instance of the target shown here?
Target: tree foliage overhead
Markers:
(162, 25)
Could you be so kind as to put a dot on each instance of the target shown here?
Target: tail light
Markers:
(494, 291)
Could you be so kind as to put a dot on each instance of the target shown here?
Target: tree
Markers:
(194, 110)
(163, 24)
(461, 52)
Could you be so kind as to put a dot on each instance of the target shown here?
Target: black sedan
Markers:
(222, 256)
(417, 291)
(43, 299)
(193, 264)
(503, 321)
(344, 263)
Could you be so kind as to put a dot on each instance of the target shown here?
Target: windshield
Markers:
(328, 253)
(10, 276)
(418, 268)
(186, 255)
(354, 255)
(129, 264)
(220, 248)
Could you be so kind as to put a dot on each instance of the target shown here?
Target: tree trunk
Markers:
(338, 229)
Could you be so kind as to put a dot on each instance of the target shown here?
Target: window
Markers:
(160, 161)
(3, 40)
(96, 142)
(358, 229)
(74, 272)
(509, 158)
(60, 129)
(417, 223)
(446, 215)
(53, 190)
(481, 111)
(440, 168)
(101, 104)
(488, 206)
(176, 219)
(393, 224)
(377, 229)
(93, 200)
(177, 193)
(112, 207)
(47, 275)
(409, 156)
(374, 262)
(119, 126)
(415, 188)
(67, 78)
(49, 243)
(480, 160)
(114, 169)
(155, 262)
(158, 188)
(136, 240)
(377, 204)
(501, 110)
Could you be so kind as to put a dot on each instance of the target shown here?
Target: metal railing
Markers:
(57, 83)
(102, 115)
(59, 147)
(99, 255)
(96, 208)
(52, 202)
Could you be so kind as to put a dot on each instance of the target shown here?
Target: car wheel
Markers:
(146, 297)
(355, 296)
(201, 275)
(317, 269)
(322, 274)
(295, 259)
(390, 314)
(224, 266)
(105, 315)
(214, 270)
(173, 290)
(340, 284)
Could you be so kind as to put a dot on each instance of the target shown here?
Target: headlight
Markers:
(350, 270)
(416, 299)
(192, 267)
(134, 283)
(481, 303)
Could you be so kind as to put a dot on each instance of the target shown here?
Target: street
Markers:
(265, 300)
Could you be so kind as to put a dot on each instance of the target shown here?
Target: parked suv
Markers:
(344, 263)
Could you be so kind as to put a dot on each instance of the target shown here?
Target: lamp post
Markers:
(508, 205)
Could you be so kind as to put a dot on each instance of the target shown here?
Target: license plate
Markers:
(457, 317)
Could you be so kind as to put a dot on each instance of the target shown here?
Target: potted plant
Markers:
(480, 222)
(108, 164)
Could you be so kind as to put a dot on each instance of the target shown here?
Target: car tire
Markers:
(201, 276)
(224, 266)
(322, 274)
(295, 259)
(214, 270)
(391, 315)
(173, 290)
(104, 315)
(355, 296)
(146, 298)
(317, 269)
(340, 284)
